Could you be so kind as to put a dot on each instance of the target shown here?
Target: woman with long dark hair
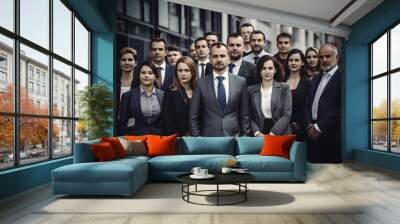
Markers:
(312, 63)
(177, 99)
(270, 101)
(140, 108)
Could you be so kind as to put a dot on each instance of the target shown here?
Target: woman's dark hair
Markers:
(316, 52)
(153, 68)
(303, 59)
(280, 72)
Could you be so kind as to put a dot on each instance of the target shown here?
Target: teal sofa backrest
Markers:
(206, 145)
(249, 145)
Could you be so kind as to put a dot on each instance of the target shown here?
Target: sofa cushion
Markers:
(185, 163)
(257, 163)
(103, 152)
(161, 145)
(249, 145)
(208, 145)
(83, 152)
(277, 145)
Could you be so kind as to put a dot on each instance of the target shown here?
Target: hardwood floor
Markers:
(376, 189)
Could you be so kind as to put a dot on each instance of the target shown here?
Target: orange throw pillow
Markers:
(277, 145)
(161, 145)
(116, 145)
(134, 138)
(103, 151)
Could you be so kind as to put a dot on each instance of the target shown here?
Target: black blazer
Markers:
(299, 101)
(207, 71)
(329, 103)
(247, 71)
(130, 107)
(175, 112)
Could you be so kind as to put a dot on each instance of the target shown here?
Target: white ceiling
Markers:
(316, 15)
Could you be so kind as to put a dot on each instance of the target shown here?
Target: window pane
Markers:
(6, 142)
(379, 97)
(395, 47)
(6, 74)
(133, 8)
(146, 9)
(395, 136)
(379, 135)
(62, 89)
(81, 131)
(395, 95)
(379, 55)
(34, 72)
(7, 14)
(62, 29)
(81, 45)
(81, 81)
(35, 21)
(33, 139)
(62, 141)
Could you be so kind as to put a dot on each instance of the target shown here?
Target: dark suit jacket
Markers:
(247, 71)
(130, 107)
(329, 103)
(207, 118)
(207, 71)
(299, 101)
(281, 108)
(175, 112)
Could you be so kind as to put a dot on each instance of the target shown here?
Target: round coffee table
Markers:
(238, 179)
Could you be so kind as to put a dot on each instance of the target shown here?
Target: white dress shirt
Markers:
(163, 65)
(225, 82)
(266, 102)
(324, 81)
(205, 62)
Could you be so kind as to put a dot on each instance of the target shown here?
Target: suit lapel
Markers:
(330, 83)
(275, 95)
(136, 102)
(257, 104)
(232, 88)
(211, 90)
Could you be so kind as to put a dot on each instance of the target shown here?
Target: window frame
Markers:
(16, 115)
(388, 74)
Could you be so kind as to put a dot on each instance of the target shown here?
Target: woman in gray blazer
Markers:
(270, 101)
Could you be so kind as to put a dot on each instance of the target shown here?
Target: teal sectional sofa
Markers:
(125, 176)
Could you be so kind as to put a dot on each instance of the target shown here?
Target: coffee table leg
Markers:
(245, 191)
(217, 194)
(196, 187)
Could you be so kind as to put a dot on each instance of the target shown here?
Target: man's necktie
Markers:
(202, 70)
(221, 93)
(231, 66)
(159, 79)
(256, 59)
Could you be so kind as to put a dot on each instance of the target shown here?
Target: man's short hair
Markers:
(246, 25)
(210, 34)
(199, 39)
(284, 35)
(218, 45)
(173, 48)
(331, 45)
(233, 35)
(258, 32)
(157, 39)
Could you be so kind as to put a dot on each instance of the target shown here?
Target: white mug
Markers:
(196, 170)
(203, 172)
(226, 170)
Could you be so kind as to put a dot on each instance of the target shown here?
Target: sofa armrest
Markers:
(83, 152)
(298, 155)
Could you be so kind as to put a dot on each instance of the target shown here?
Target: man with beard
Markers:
(238, 66)
(257, 39)
(245, 31)
(219, 105)
(192, 53)
(284, 43)
(203, 52)
(323, 110)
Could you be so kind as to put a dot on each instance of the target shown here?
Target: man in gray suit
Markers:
(219, 105)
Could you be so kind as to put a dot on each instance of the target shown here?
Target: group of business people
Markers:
(223, 93)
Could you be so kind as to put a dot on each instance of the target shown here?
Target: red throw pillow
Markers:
(134, 138)
(116, 145)
(161, 145)
(277, 145)
(103, 151)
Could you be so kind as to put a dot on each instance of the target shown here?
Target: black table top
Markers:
(220, 178)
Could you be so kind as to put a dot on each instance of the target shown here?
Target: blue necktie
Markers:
(202, 70)
(231, 66)
(221, 93)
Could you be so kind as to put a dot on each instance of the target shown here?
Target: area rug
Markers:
(167, 198)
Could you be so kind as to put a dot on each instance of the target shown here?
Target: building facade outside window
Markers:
(38, 125)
